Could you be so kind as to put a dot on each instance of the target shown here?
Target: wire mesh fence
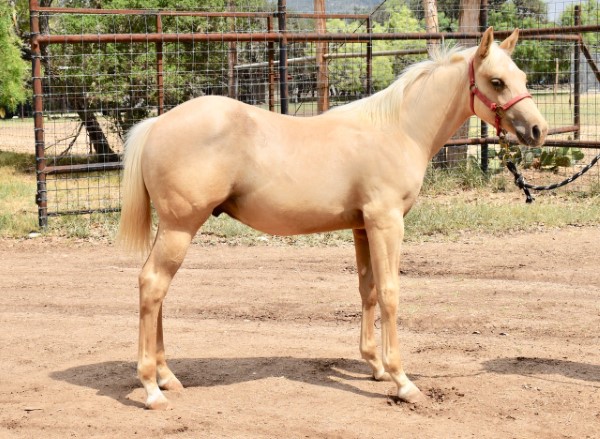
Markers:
(102, 70)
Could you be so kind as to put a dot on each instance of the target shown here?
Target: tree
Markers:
(590, 11)
(119, 79)
(537, 58)
(348, 74)
(14, 69)
(450, 10)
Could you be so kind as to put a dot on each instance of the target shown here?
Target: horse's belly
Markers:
(283, 219)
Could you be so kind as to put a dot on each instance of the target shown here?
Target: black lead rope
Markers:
(520, 181)
(524, 186)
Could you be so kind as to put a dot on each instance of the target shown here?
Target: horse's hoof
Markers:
(172, 385)
(158, 402)
(411, 394)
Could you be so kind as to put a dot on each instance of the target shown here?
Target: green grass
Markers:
(17, 194)
(18, 162)
(453, 217)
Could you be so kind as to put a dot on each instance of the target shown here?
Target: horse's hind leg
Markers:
(368, 294)
(165, 259)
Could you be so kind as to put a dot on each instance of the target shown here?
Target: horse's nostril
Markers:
(535, 132)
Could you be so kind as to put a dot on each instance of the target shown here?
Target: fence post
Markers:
(431, 22)
(576, 78)
(369, 57)
(271, 58)
(232, 57)
(283, 85)
(483, 24)
(38, 115)
(322, 47)
(159, 68)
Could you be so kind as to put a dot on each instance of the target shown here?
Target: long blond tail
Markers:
(136, 220)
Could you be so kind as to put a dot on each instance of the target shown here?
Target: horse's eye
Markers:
(498, 84)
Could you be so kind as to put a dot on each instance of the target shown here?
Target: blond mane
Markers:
(384, 106)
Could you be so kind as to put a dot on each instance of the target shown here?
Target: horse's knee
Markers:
(388, 300)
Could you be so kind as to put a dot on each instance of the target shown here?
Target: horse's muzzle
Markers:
(534, 135)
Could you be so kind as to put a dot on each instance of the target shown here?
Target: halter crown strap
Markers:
(496, 108)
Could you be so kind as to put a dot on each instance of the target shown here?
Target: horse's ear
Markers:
(510, 43)
(486, 42)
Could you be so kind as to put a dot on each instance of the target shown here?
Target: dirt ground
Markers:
(501, 333)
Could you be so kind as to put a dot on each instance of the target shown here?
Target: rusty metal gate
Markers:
(96, 72)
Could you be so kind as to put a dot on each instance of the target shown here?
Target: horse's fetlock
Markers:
(368, 352)
(146, 371)
(392, 363)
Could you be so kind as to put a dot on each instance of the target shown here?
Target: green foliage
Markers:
(538, 58)
(14, 69)
(123, 83)
(348, 74)
(19, 161)
(546, 158)
(401, 19)
(449, 10)
(590, 11)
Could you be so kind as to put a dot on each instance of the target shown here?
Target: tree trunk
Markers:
(468, 21)
(431, 25)
(322, 47)
(431, 21)
(232, 57)
(98, 140)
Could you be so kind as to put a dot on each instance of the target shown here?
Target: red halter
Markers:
(496, 108)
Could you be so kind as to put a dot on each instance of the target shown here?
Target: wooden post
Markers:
(431, 25)
(485, 162)
(468, 21)
(159, 68)
(231, 57)
(38, 115)
(431, 21)
(271, 57)
(369, 85)
(283, 85)
(322, 48)
(577, 78)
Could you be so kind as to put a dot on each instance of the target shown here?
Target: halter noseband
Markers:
(496, 108)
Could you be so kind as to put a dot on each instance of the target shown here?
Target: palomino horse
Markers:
(357, 167)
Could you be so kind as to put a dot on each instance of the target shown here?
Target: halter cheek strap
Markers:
(499, 110)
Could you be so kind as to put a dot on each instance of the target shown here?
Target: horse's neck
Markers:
(434, 109)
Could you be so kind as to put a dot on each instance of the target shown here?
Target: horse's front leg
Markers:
(385, 231)
(368, 295)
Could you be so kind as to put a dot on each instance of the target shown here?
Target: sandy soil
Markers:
(501, 333)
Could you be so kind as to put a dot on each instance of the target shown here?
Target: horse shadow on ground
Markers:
(534, 366)
(116, 379)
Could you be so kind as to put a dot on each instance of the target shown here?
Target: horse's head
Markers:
(499, 91)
